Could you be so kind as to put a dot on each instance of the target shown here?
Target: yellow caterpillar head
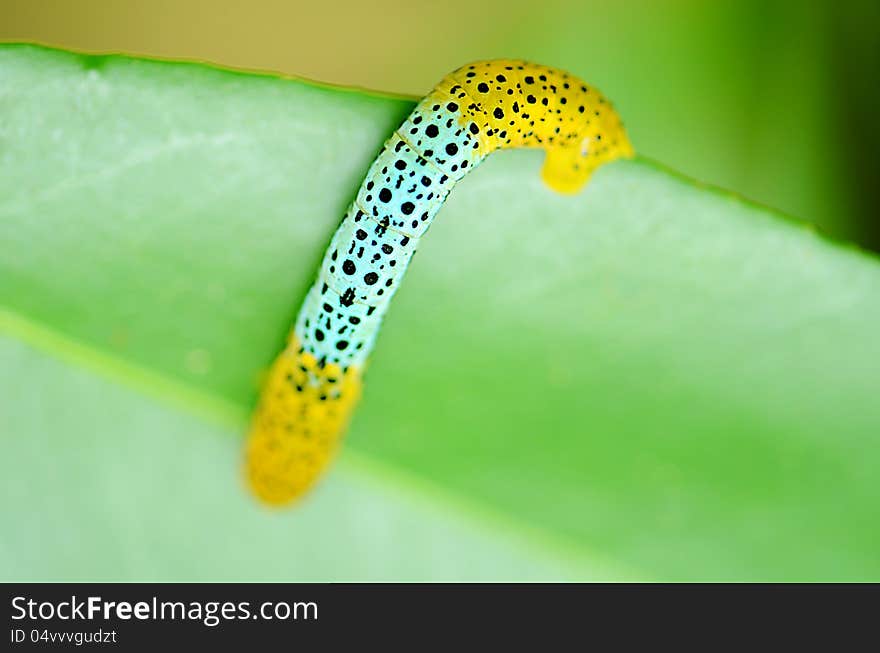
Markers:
(599, 138)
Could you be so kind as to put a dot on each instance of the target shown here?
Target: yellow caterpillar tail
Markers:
(302, 415)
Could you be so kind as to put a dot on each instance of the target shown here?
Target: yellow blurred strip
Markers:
(151, 383)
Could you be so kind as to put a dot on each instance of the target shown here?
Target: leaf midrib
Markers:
(233, 418)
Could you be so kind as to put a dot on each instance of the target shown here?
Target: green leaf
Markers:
(650, 379)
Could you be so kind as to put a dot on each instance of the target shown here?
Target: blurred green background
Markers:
(774, 99)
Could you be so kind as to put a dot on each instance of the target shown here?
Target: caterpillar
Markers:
(316, 381)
